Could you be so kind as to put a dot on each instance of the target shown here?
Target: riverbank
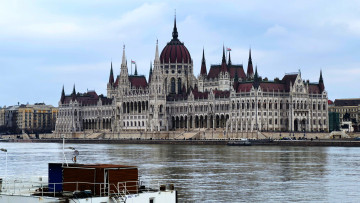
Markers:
(269, 142)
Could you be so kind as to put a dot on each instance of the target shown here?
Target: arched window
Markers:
(172, 85)
(179, 85)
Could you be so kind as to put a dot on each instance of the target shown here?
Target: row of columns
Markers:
(199, 121)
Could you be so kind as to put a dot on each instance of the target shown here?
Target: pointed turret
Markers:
(73, 94)
(123, 61)
(175, 32)
(150, 72)
(135, 73)
(111, 77)
(124, 69)
(62, 99)
(157, 58)
(223, 56)
(321, 82)
(74, 91)
(203, 70)
(223, 62)
(229, 61)
(256, 82)
(250, 70)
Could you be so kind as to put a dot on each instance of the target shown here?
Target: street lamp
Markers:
(5, 150)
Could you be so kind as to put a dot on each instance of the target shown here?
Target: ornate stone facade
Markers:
(173, 98)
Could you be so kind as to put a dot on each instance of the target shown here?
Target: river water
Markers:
(209, 173)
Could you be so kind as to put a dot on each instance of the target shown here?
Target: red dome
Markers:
(175, 50)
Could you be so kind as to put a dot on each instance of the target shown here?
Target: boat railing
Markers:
(128, 187)
(38, 188)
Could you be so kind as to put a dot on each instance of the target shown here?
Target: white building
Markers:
(173, 98)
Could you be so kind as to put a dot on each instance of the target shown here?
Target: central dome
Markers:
(175, 51)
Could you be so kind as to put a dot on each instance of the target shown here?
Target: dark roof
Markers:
(347, 102)
(272, 86)
(221, 94)
(200, 95)
(287, 79)
(244, 87)
(176, 97)
(215, 70)
(138, 81)
(88, 99)
(239, 69)
(314, 89)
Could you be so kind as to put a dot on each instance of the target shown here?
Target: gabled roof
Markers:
(214, 71)
(287, 79)
(138, 81)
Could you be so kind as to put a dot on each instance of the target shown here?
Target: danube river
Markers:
(209, 173)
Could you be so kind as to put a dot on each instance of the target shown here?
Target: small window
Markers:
(151, 200)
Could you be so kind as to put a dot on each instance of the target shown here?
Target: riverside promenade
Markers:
(194, 138)
(269, 142)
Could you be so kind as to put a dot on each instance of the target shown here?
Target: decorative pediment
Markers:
(299, 85)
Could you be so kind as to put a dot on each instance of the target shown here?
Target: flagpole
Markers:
(131, 66)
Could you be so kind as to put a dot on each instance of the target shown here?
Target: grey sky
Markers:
(47, 44)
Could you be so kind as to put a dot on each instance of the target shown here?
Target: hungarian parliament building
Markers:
(222, 97)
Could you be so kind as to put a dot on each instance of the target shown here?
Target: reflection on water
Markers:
(215, 173)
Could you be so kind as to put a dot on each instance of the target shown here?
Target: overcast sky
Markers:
(47, 44)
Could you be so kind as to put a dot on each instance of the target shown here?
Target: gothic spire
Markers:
(157, 58)
(73, 92)
(123, 62)
(175, 32)
(223, 67)
(250, 70)
(135, 73)
(321, 77)
(223, 57)
(111, 77)
(256, 83)
(203, 65)
(229, 61)
(321, 82)
(62, 99)
(150, 72)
